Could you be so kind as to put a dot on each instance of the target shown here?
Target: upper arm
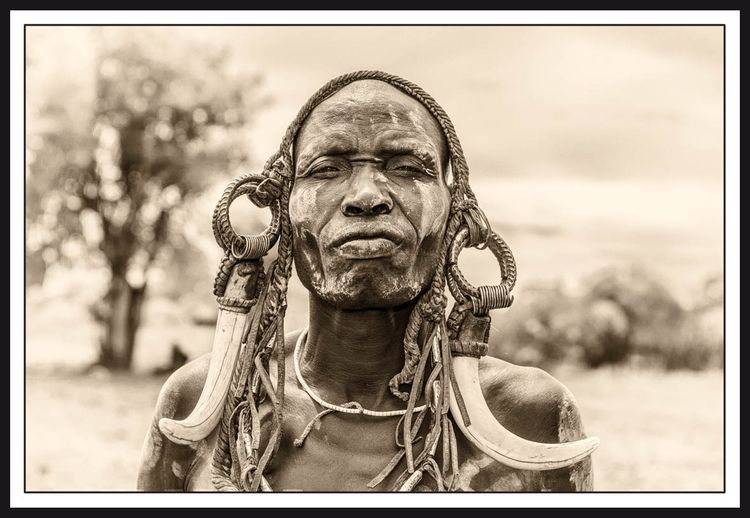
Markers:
(580, 476)
(534, 405)
(163, 463)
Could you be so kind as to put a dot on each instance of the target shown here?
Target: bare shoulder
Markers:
(181, 390)
(164, 464)
(530, 402)
(534, 405)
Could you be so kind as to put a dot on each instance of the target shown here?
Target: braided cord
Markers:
(236, 463)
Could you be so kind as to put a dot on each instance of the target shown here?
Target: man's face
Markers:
(370, 199)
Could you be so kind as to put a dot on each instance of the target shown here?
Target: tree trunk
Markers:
(121, 320)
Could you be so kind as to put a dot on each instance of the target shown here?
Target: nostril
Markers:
(365, 208)
(353, 210)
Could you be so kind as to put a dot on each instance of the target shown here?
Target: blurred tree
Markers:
(107, 169)
(648, 311)
(637, 291)
(622, 313)
(531, 333)
(603, 332)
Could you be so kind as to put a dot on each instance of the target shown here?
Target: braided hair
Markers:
(238, 464)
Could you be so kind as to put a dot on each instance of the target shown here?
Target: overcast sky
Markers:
(608, 137)
(583, 101)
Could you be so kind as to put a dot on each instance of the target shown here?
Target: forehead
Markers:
(370, 108)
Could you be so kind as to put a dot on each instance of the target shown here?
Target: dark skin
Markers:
(368, 212)
(370, 200)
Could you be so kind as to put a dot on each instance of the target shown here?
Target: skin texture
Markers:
(368, 211)
(344, 452)
(370, 162)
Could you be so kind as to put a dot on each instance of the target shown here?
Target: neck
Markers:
(352, 355)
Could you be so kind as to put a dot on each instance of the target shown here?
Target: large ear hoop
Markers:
(469, 332)
(484, 298)
(262, 190)
(237, 288)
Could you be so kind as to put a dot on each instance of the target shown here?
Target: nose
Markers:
(366, 194)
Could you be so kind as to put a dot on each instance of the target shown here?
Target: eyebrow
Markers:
(336, 144)
(417, 149)
(339, 143)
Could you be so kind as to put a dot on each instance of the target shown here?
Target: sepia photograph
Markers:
(347, 258)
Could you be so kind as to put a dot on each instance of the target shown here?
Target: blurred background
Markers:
(596, 152)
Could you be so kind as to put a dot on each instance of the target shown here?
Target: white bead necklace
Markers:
(358, 409)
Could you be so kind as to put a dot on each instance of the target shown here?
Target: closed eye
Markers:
(408, 165)
(408, 168)
(327, 168)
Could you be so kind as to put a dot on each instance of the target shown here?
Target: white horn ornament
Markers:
(481, 427)
(495, 440)
(234, 305)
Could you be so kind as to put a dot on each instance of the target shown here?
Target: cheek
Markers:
(428, 208)
(303, 203)
(310, 207)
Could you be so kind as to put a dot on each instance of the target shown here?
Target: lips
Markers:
(371, 248)
(368, 243)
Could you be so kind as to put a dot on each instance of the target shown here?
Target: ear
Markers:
(448, 174)
(293, 156)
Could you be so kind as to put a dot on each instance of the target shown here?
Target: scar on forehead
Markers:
(384, 101)
(371, 97)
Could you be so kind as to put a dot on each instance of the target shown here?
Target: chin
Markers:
(356, 292)
(359, 299)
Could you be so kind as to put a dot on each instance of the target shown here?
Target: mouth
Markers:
(371, 248)
(368, 244)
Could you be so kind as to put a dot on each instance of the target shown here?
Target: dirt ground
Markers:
(659, 431)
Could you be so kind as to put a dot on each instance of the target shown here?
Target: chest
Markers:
(345, 452)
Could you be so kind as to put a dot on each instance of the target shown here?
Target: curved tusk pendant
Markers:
(480, 426)
(492, 438)
(207, 412)
(235, 301)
